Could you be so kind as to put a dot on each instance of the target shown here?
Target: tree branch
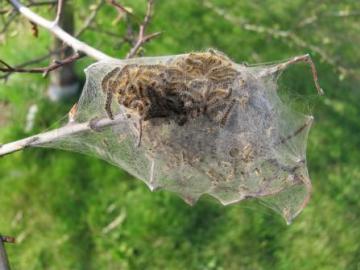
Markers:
(52, 26)
(27, 63)
(45, 70)
(56, 134)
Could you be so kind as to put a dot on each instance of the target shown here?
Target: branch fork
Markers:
(53, 27)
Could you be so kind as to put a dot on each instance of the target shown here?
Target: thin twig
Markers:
(44, 70)
(8, 22)
(282, 66)
(122, 9)
(59, 10)
(31, 62)
(142, 38)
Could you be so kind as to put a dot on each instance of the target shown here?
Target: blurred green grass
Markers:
(57, 203)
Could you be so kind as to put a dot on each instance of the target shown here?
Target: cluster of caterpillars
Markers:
(191, 85)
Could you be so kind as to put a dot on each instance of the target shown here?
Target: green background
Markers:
(58, 203)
